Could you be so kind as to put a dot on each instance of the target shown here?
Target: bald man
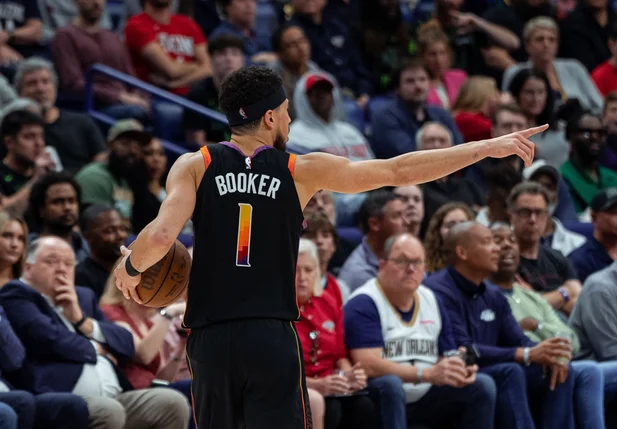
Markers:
(70, 347)
(482, 320)
(397, 329)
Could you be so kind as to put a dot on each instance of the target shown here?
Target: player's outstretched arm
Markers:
(155, 240)
(317, 171)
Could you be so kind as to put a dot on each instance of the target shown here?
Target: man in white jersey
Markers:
(397, 329)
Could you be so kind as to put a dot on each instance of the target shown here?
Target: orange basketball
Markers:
(165, 281)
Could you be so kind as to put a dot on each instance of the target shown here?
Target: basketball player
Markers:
(246, 198)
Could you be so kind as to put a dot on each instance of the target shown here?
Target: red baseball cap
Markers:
(314, 79)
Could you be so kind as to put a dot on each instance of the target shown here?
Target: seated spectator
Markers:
(394, 128)
(604, 75)
(548, 271)
(45, 410)
(148, 327)
(585, 33)
(411, 195)
(7, 92)
(53, 209)
(482, 320)
(473, 107)
(111, 181)
(539, 322)
(434, 50)
(321, 232)
(505, 119)
(105, 231)
(448, 215)
(240, 21)
(13, 236)
(323, 203)
(501, 178)
(399, 330)
(83, 43)
(166, 49)
(531, 90)
(567, 78)
(58, 14)
(387, 41)
(328, 370)
(226, 55)
(21, 104)
(582, 172)
(333, 48)
(293, 50)
(381, 215)
(70, 347)
(74, 135)
(601, 250)
(26, 160)
(593, 317)
(135, 7)
(556, 236)
(21, 30)
(609, 120)
(433, 135)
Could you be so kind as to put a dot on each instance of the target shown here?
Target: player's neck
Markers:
(248, 144)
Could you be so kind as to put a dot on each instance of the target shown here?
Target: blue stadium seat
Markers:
(374, 105)
(353, 235)
(355, 114)
(582, 228)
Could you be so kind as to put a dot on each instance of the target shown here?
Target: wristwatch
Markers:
(526, 356)
(166, 315)
(564, 292)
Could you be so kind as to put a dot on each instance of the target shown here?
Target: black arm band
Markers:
(130, 269)
(80, 322)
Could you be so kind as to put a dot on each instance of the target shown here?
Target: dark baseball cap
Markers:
(604, 200)
(541, 167)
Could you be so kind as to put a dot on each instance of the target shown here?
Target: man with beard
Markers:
(74, 135)
(85, 42)
(250, 192)
(53, 209)
(106, 232)
(396, 125)
(26, 160)
(113, 182)
(227, 55)
(167, 50)
(582, 172)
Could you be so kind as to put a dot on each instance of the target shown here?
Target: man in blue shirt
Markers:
(600, 251)
(394, 127)
(482, 320)
(398, 330)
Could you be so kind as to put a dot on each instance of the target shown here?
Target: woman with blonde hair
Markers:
(436, 54)
(13, 236)
(149, 328)
(474, 105)
(329, 372)
(446, 217)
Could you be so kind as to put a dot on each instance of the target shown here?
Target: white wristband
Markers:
(419, 376)
(526, 356)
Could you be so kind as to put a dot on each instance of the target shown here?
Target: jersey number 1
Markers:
(244, 235)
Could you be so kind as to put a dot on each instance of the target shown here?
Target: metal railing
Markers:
(154, 91)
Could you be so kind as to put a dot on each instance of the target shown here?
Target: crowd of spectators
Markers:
(485, 299)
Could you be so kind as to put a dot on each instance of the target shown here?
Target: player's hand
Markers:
(517, 143)
(334, 385)
(124, 282)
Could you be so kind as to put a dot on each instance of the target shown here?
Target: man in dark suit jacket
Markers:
(70, 347)
(47, 410)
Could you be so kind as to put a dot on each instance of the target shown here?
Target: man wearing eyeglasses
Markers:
(582, 172)
(548, 271)
(396, 328)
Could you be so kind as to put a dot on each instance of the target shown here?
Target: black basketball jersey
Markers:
(247, 222)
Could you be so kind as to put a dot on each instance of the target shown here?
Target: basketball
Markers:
(165, 281)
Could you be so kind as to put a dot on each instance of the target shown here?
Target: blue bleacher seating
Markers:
(355, 114)
(353, 235)
(375, 104)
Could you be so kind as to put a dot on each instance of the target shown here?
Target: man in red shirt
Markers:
(167, 50)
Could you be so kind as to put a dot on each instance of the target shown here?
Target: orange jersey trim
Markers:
(291, 164)
(206, 154)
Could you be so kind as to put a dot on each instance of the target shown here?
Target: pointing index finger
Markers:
(535, 130)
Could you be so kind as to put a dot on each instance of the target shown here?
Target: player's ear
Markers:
(269, 119)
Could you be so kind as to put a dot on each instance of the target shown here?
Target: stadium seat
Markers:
(582, 228)
(374, 105)
(355, 114)
(353, 235)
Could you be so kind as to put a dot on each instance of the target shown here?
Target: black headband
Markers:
(252, 112)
